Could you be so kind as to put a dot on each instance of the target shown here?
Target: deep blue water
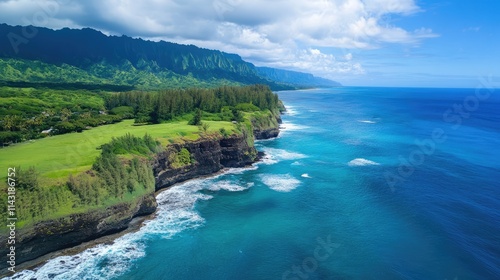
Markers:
(335, 198)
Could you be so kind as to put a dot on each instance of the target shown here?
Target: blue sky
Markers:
(466, 47)
(356, 42)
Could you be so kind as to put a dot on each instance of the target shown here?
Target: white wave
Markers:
(100, 262)
(239, 170)
(105, 261)
(366, 121)
(291, 111)
(267, 160)
(267, 140)
(229, 186)
(296, 163)
(288, 126)
(273, 155)
(305, 175)
(362, 162)
(280, 183)
(176, 212)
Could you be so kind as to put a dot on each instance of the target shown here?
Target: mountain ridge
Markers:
(124, 60)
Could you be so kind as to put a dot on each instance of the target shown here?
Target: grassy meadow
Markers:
(58, 156)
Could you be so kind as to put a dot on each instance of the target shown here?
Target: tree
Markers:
(196, 120)
(27, 179)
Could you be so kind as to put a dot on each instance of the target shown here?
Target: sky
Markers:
(453, 43)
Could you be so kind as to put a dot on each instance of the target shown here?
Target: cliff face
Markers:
(49, 236)
(267, 126)
(206, 156)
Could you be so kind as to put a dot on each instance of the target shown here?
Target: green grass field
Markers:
(58, 156)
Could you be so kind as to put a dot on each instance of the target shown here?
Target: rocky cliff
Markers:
(266, 126)
(49, 236)
(206, 156)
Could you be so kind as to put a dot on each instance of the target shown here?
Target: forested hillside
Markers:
(88, 56)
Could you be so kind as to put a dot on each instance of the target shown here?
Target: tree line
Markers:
(24, 120)
(165, 105)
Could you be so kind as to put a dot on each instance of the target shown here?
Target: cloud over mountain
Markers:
(297, 34)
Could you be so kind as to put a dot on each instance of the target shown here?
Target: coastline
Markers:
(134, 225)
(232, 152)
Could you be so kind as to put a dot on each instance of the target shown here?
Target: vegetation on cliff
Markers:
(75, 172)
(121, 173)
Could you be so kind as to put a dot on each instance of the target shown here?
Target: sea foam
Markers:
(273, 155)
(362, 162)
(280, 183)
(105, 261)
(291, 111)
(230, 186)
(288, 126)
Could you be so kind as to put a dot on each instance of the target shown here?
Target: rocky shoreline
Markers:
(209, 156)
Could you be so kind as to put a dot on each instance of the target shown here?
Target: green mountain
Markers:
(298, 79)
(88, 56)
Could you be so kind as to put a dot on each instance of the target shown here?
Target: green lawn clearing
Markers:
(58, 156)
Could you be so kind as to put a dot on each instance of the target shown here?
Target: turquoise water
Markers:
(332, 199)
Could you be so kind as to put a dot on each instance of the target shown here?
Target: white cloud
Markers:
(283, 33)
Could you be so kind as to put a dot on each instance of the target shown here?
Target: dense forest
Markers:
(27, 113)
(157, 107)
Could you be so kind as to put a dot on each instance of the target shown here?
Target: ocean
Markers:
(362, 183)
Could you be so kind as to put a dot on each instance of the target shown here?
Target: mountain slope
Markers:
(294, 78)
(89, 56)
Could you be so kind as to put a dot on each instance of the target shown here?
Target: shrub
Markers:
(247, 107)
(125, 112)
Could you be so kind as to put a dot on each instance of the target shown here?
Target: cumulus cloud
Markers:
(280, 33)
